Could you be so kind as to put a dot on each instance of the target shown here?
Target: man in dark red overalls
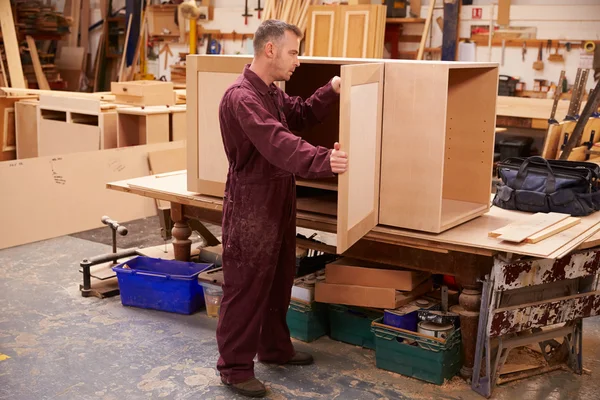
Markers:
(259, 210)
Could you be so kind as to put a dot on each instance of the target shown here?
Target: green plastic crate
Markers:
(307, 322)
(429, 360)
(353, 324)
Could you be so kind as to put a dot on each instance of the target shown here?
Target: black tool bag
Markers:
(535, 184)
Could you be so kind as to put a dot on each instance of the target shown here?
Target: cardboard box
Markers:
(363, 296)
(347, 271)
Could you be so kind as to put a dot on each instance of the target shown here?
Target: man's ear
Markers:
(270, 49)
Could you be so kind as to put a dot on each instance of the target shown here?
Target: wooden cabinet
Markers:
(345, 31)
(419, 135)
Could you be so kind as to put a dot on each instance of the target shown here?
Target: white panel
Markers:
(363, 131)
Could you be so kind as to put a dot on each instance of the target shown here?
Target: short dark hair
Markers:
(272, 30)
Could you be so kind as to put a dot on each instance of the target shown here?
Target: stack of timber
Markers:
(293, 12)
(535, 227)
(36, 18)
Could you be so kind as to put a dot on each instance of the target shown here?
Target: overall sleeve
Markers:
(280, 146)
(301, 114)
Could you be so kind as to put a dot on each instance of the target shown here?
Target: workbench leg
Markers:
(470, 302)
(182, 245)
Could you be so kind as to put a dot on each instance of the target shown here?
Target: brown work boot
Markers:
(301, 358)
(251, 388)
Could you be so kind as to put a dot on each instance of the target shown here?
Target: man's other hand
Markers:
(339, 160)
(335, 83)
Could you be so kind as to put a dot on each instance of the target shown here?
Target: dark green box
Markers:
(353, 324)
(427, 359)
(307, 322)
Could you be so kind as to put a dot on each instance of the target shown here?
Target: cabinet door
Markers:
(361, 103)
(357, 31)
(207, 79)
(321, 31)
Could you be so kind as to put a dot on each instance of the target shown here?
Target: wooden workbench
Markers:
(465, 251)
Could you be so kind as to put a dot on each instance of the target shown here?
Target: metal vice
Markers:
(105, 287)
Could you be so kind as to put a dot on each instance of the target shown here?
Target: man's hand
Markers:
(335, 82)
(338, 160)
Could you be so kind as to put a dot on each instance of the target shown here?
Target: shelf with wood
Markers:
(482, 40)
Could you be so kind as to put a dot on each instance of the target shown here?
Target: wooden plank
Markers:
(11, 46)
(37, 67)
(523, 107)
(89, 106)
(75, 186)
(553, 229)
(544, 313)
(527, 226)
(360, 136)
(17, 92)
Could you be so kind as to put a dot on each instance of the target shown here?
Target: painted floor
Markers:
(56, 344)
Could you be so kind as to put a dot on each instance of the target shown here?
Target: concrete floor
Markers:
(63, 346)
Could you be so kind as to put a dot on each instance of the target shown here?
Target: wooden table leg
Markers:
(181, 232)
(470, 302)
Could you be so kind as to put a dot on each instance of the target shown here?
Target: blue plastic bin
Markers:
(165, 285)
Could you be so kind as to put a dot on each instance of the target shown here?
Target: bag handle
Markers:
(521, 175)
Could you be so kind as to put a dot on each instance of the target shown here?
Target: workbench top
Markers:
(469, 237)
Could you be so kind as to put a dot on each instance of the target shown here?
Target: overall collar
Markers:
(258, 83)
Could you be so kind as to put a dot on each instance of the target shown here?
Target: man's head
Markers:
(276, 47)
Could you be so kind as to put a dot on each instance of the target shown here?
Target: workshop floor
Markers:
(63, 346)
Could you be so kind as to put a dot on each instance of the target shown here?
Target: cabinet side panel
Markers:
(212, 161)
(191, 89)
(470, 131)
(414, 115)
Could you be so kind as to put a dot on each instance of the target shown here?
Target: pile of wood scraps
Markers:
(358, 283)
(535, 227)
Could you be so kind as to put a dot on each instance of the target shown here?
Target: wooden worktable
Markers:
(465, 251)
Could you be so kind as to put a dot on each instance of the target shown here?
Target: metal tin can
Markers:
(440, 331)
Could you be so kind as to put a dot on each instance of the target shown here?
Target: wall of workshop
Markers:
(227, 18)
(563, 20)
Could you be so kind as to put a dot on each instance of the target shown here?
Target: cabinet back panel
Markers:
(304, 82)
(414, 117)
(470, 130)
(212, 161)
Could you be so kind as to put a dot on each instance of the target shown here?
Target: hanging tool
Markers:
(556, 57)
(190, 11)
(258, 9)
(503, 49)
(245, 14)
(549, 46)
(524, 51)
(539, 64)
